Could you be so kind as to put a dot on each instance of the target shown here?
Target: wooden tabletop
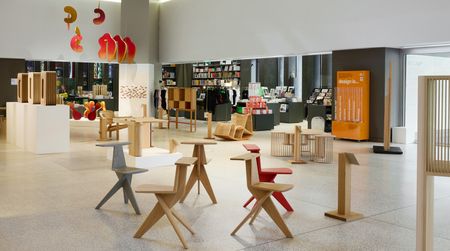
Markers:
(199, 142)
(138, 120)
(326, 135)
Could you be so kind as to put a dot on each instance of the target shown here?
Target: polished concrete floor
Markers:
(47, 201)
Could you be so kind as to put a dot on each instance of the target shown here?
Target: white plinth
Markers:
(11, 122)
(399, 135)
(151, 157)
(21, 118)
(47, 129)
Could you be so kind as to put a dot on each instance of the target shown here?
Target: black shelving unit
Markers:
(212, 73)
(169, 75)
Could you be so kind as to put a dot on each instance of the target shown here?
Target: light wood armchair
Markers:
(167, 197)
(240, 128)
(262, 191)
(107, 125)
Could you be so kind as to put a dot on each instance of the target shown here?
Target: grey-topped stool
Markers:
(124, 174)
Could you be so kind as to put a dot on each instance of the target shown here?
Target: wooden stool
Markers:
(324, 148)
(124, 174)
(198, 173)
(269, 175)
(262, 191)
(167, 197)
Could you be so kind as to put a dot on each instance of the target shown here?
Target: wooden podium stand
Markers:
(297, 150)
(344, 189)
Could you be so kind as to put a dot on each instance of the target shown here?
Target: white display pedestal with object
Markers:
(47, 129)
(37, 128)
(151, 157)
(11, 122)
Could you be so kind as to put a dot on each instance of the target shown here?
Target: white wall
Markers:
(135, 78)
(35, 29)
(418, 65)
(194, 30)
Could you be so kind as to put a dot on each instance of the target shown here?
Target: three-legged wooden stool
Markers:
(262, 191)
(198, 173)
(167, 197)
(124, 174)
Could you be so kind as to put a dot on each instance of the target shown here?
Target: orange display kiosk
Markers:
(351, 118)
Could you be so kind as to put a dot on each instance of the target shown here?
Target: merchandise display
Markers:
(216, 73)
(168, 75)
(183, 99)
(351, 119)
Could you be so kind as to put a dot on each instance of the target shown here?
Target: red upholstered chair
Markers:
(268, 175)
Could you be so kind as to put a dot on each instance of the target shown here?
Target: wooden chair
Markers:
(269, 175)
(167, 197)
(262, 192)
(124, 174)
(240, 128)
(108, 126)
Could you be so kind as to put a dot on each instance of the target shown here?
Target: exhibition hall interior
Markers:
(224, 125)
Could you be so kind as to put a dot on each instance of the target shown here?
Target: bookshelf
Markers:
(169, 74)
(216, 73)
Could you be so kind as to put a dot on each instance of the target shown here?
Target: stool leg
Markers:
(249, 201)
(192, 179)
(130, 195)
(111, 192)
(280, 198)
(151, 219)
(272, 211)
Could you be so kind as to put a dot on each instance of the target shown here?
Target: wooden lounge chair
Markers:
(240, 128)
(108, 126)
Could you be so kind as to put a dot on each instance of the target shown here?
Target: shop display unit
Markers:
(216, 73)
(263, 117)
(319, 104)
(183, 99)
(321, 96)
(292, 112)
(169, 74)
(351, 118)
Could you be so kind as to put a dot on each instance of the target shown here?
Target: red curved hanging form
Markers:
(131, 49)
(71, 15)
(107, 47)
(76, 40)
(101, 16)
(121, 49)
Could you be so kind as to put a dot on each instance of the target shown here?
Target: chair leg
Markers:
(151, 219)
(111, 192)
(280, 198)
(249, 201)
(255, 208)
(171, 218)
(206, 184)
(255, 215)
(182, 221)
(130, 195)
(191, 182)
(125, 197)
(272, 211)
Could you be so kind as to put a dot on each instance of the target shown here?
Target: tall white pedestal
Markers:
(21, 123)
(11, 122)
(151, 157)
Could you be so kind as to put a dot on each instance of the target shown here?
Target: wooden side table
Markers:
(324, 148)
(198, 173)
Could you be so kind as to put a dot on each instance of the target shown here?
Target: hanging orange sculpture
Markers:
(121, 49)
(101, 18)
(131, 50)
(76, 40)
(107, 47)
(71, 15)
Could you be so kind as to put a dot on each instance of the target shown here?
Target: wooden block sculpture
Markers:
(268, 175)
(48, 88)
(297, 149)
(167, 197)
(282, 144)
(107, 126)
(323, 152)
(183, 99)
(124, 174)
(22, 88)
(209, 136)
(240, 128)
(198, 173)
(344, 189)
(262, 191)
(34, 87)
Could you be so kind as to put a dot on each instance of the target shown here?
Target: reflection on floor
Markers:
(48, 201)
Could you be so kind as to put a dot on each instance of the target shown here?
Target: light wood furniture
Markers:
(281, 144)
(22, 87)
(297, 148)
(198, 173)
(240, 128)
(48, 88)
(167, 197)
(386, 148)
(173, 144)
(137, 141)
(323, 152)
(124, 174)
(183, 99)
(34, 87)
(161, 116)
(344, 189)
(209, 117)
(262, 191)
(308, 139)
(107, 126)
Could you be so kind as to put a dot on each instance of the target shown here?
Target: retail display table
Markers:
(198, 173)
